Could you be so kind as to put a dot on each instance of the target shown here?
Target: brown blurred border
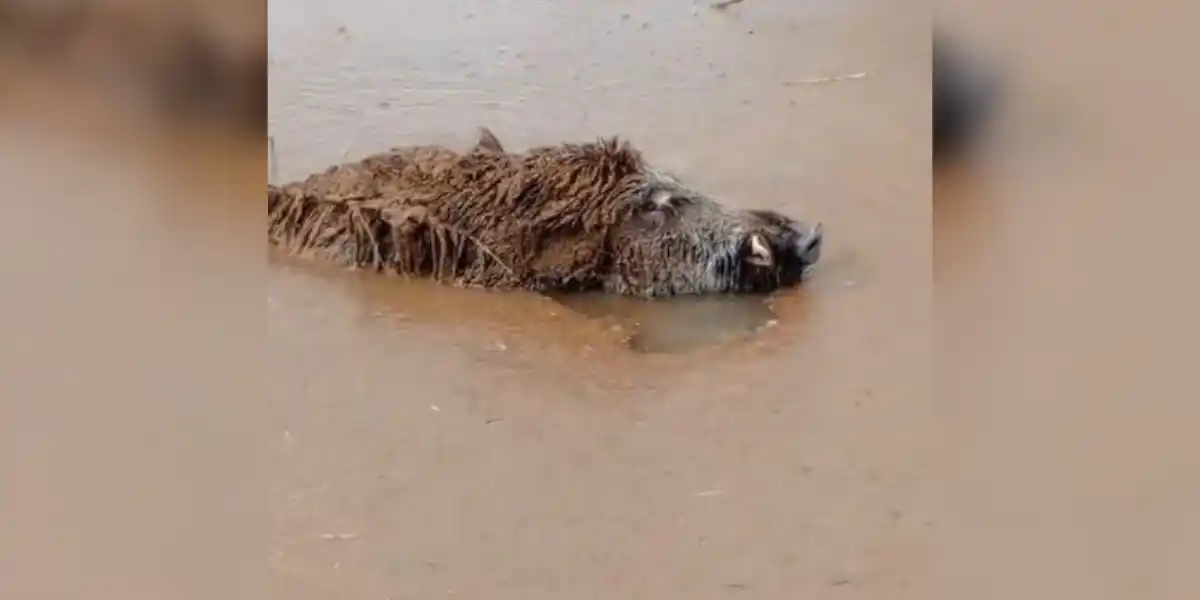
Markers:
(182, 62)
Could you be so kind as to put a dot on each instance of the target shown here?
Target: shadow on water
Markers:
(679, 325)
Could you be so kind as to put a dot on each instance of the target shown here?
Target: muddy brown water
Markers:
(437, 442)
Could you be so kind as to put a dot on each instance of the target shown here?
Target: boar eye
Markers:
(655, 218)
(660, 207)
(665, 200)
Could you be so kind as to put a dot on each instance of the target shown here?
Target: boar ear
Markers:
(488, 142)
(662, 199)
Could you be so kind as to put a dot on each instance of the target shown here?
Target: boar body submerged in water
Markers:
(556, 219)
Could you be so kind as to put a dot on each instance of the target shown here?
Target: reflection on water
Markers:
(678, 324)
(675, 325)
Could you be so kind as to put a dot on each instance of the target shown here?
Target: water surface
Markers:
(479, 444)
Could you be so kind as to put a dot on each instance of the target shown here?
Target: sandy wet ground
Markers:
(435, 442)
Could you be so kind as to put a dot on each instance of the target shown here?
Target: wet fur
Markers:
(539, 220)
(565, 218)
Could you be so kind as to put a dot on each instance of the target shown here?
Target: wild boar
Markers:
(553, 219)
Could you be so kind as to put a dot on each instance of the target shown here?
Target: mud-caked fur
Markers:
(566, 218)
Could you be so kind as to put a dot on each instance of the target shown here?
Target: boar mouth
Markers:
(767, 267)
(807, 249)
(787, 262)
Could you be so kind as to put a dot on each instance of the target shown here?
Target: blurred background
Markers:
(191, 60)
(133, 155)
(1063, 392)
